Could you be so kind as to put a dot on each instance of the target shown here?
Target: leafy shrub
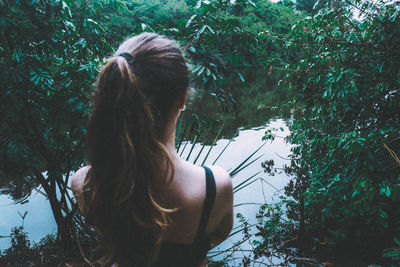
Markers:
(23, 253)
(346, 129)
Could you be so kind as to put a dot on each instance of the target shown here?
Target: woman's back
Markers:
(187, 191)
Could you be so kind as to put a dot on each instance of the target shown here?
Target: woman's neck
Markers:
(169, 142)
(170, 146)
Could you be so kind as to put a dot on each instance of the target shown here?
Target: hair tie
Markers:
(127, 56)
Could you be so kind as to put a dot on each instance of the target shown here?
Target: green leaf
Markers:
(199, 32)
(201, 70)
(210, 29)
(383, 214)
(198, 5)
(196, 68)
(190, 21)
(241, 77)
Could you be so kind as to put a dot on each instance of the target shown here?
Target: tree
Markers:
(50, 51)
(311, 6)
(346, 131)
(287, 3)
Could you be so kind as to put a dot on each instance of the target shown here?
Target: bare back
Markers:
(187, 193)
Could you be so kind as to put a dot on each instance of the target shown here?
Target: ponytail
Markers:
(127, 156)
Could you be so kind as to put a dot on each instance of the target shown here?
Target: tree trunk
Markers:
(64, 223)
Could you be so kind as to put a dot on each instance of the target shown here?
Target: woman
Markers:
(150, 207)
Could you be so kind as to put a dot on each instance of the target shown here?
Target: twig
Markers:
(392, 153)
(286, 158)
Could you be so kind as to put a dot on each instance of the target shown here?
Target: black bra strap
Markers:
(208, 202)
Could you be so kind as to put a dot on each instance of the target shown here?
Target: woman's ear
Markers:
(182, 100)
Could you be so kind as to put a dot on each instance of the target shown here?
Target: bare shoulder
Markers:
(222, 177)
(222, 214)
(78, 179)
(222, 181)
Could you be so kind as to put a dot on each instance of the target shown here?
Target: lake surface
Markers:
(38, 222)
(265, 189)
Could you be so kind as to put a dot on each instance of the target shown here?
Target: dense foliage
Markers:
(343, 203)
(222, 39)
(23, 253)
(346, 131)
(49, 57)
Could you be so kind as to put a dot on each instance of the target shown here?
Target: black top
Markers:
(187, 255)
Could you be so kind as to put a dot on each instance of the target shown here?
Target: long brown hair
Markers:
(135, 97)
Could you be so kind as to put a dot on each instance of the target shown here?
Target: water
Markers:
(38, 222)
(266, 189)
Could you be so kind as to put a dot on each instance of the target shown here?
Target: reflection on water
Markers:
(250, 105)
(38, 222)
(266, 189)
